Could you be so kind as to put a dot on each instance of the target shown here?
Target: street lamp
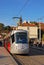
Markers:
(20, 20)
(39, 29)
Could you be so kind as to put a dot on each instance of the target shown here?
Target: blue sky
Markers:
(32, 10)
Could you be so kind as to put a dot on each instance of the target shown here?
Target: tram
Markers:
(17, 42)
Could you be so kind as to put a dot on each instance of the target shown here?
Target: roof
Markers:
(19, 30)
(32, 24)
(27, 24)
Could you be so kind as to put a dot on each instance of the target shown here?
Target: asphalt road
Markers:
(35, 57)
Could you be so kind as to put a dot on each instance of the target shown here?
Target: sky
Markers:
(29, 10)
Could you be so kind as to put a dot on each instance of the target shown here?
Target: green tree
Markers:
(34, 22)
(7, 29)
(1, 27)
(43, 37)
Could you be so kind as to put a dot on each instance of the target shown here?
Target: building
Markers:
(31, 28)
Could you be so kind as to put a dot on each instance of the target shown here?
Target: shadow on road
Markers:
(34, 51)
(1, 56)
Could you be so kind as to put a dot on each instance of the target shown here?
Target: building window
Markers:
(28, 28)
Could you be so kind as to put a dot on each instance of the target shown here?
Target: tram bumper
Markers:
(22, 51)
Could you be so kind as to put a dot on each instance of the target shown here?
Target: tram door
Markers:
(0, 43)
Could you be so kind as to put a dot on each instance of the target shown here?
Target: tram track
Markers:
(27, 60)
(34, 58)
(18, 61)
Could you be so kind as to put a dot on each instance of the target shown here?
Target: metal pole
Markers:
(39, 30)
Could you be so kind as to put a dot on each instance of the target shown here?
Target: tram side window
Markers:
(13, 39)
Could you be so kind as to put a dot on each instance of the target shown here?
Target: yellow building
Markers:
(31, 28)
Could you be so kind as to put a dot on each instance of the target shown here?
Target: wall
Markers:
(32, 31)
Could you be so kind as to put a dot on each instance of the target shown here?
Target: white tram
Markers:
(17, 42)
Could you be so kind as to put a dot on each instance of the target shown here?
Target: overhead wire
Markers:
(25, 4)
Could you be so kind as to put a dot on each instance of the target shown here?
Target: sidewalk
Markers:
(6, 58)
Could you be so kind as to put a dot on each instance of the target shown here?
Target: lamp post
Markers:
(39, 29)
(20, 20)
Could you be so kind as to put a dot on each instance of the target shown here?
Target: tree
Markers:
(1, 26)
(7, 29)
(34, 22)
(43, 37)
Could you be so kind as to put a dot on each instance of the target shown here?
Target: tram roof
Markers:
(14, 31)
(19, 30)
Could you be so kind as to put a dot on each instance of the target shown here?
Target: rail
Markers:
(18, 61)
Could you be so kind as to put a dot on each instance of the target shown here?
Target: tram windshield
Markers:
(21, 37)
